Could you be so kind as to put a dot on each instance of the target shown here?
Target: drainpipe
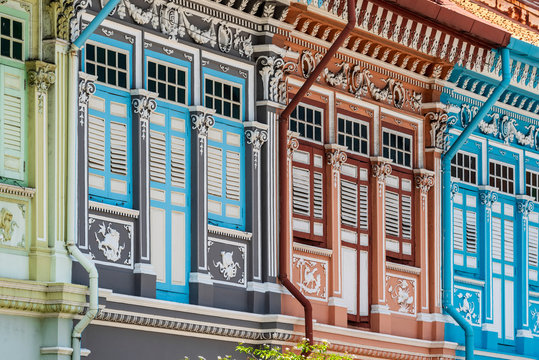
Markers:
(72, 104)
(446, 203)
(284, 223)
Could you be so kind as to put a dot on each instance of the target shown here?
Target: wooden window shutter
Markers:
(508, 240)
(497, 238)
(471, 232)
(318, 195)
(348, 203)
(118, 148)
(177, 162)
(406, 223)
(363, 207)
(12, 123)
(301, 191)
(233, 175)
(215, 171)
(533, 237)
(458, 230)
(392, 213)
(158, 156)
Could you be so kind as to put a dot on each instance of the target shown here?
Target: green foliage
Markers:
(301, 351)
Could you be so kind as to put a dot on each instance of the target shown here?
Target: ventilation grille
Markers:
(363, 207)
(177, 162)
(508, 240)
(496, 238)
(96, 143)
(158, 159)
(406, 217)
(348, 203)
(233, 173)
(533, 246)
(215, 171)
(12, 123)
(392, 213)
(318, 193)
(118, 148)
(458, 231)
(471, 232)
(300, 191)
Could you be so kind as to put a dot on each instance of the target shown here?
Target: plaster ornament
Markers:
(487, 199)
(525, 206)
(380, 170)
(140, 16)
(490, 127)
(534, 312)
(438, 130)
(310, 276)
(224, 38)
(339, 78)
(7, 225)
(244, 45)
(86, 89)
(41, 78)
(272, 72)
(424, 182)
(454, 189)
(227, 266)
(402, 292)
(467, 307)
(268, 11)
(110, 242)
(336, 158)
(292, 144)
(144, 107)
(256, 138)
(202, 122)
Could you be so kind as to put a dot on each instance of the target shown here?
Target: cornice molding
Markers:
(114, 210)
(17, 190)
(403, 268)
(236, 234)
(313, 250)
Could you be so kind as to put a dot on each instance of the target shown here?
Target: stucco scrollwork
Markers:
(292, 144)
(108, 241)
(439, 122)
(256, 138)
(12, 224)
(424, 181)
(272, 72)
(525, 206)
(144, 106)
(41, 77)
(86, 90)
(402, 292)
(202, 122)
(335, 157)
(226, 265)
(381, 168)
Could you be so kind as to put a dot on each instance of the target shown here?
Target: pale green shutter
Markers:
(12, 123)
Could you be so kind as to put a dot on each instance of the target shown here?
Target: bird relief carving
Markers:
(312, 276)
(12, 225)
(227, 266)
(466, 307)
(108, 241)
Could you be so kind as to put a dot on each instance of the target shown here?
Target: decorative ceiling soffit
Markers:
(358, 81)
(260, 8)
(446, 49)
(177, 22)
(500, 126)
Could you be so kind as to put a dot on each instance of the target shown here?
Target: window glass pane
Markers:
(17, 30)
(101, 55)
(101, 73)
(111, 58)
(90, 52)
(111, 76)
(17, 50)
(4, 46)
(122, 79)
(5, 26)
(122, 61)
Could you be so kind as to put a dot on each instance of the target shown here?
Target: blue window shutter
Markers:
(12, 123)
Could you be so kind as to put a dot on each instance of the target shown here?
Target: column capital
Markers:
(144, 105)
(256, 134)
(292, 143)
(336, 157)
(381, 167)
(424, 180)
(439, 123)
(525, 204)
(201, 119)
(86, 90)
(41, 75)
(272, 70)
(488, 195)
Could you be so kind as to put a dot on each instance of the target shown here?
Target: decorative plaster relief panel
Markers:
(311, 276)
(110, 241)
(401, 294)
(227, 262)
(468, 304)
(534, 317)
(13, 224)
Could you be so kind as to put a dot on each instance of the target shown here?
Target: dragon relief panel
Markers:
(12, 224)
(227, 262)
(110, 241)
(311, 276)
(401, 294)
(468, 304)
(534, 318)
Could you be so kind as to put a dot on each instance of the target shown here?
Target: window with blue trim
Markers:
(226, 150)
(533, 255)
(109, 122)
(465, 243)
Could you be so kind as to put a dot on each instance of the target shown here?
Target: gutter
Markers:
(447, 225)
(72, 216)
(284, 223)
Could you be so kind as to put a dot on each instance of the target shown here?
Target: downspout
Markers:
(73, 250)
(446, 203)
(284, 226)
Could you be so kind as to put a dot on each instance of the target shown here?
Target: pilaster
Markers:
(143, 104)
(200, 284)
(380, 318)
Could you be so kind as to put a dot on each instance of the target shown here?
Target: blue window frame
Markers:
(465, 231)
(170, 182)
(109, 121)
(532, 189)
(226, 151)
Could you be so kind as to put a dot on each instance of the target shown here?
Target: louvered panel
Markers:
(318, 196)
(392, 213)
(12, 136)
(406, 217)
(533, 236)
(496, 238)
(158, 156)
(363, 207)
(96, 143)
(471, 232)
(215, 171)
(177, 162)
(458, 230)
(301, 191)
(233, 175)
(118, 148)
(348, 203)
(508, 240)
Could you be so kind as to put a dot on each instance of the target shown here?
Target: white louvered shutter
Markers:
(177, 162)
(533, 236)
(392, 213)
(158, 156)
(215, 171)
(233, 175)
(348, 203)
(471, 232)
(363, 207)
(96, 143)
(496, 238)
(406, 217)
(301, 191)
(118, 148)
(458, 231)
(12, 123)
(508, 240)
(318, 194)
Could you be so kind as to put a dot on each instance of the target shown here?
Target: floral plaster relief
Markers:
(468, 304)
(310, 275)
(401, 294)
(12, 224)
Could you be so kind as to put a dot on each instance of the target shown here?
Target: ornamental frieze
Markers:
(110, 241)
(227, 262)
(311, 276)
(401, 294)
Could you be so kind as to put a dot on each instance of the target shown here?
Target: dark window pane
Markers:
(90, 68)
(318, 118)
(5, 45)
(171, 94)
(301, 113)
(100, 55)
(356, 129)
(162, 90)
(318, 134)
(151, 85)
(90, 52)
(293, 125)
(227, 93)
(181, 78)
(400, 144)
(101, 74)
(400, 158)
(341, 125)
(209, 86)
(111, 76)
(301, 129)
(151, 69)
(218, 89)
(293, 114)
(386, 153)
(310, 134)
(226, 108)
(181, 95)
(17, 50)
(407, 144)
(236, 111)
(17, 30)
(111, 58)
(5, 25)
(407, 160)
(349, 143)
(236, 94)
(209, 102)
(386, 138)
(341, 139)
(393, 141)
(356, 145)
(349, 127)
(364, 131)
(171, 75)
(364, 149)
(122, 61)
(218, 106)
(310, 117)
(161, 72)
(122, 79)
